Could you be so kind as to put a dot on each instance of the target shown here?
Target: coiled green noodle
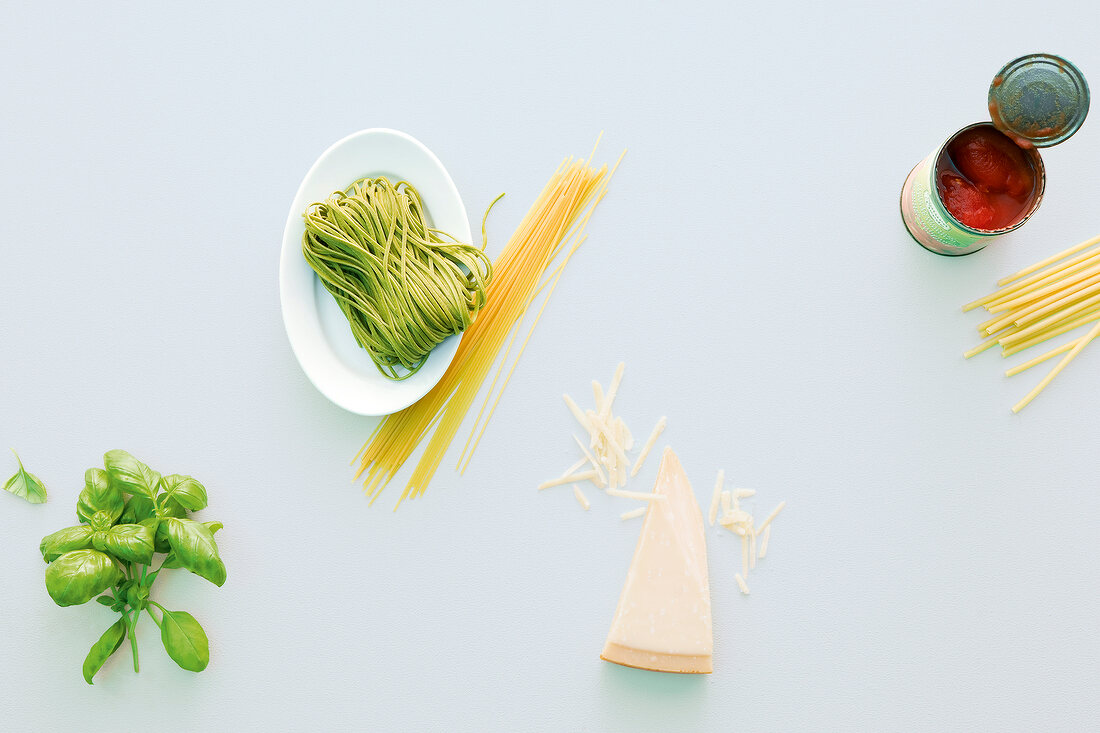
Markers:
(403, 286)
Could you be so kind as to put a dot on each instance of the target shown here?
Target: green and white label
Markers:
(932, 217)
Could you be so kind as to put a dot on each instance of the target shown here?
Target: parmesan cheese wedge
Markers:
(663, 621)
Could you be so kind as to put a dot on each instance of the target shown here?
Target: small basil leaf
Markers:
(194, 546)
(65, 540)
(107, 645)
(190, 494)
(184, 640)
(99, 496)
(129, 474)
(136, 509)
(101, 521)
(213, 526)
(137, 596)
(26, 485)
(79, 576)
(160, 534)
(169, 507)
(133, 542)
(105, 600)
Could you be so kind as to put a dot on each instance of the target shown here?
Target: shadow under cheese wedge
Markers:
(663, 622)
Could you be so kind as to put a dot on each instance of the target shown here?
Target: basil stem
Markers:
(133, 636)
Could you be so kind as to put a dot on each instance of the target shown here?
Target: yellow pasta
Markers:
(1040, 302)
(554, 224)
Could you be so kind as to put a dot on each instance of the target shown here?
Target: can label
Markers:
(928, 221)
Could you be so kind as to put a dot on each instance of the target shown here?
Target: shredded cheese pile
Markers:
(726, 510)
(605, 458)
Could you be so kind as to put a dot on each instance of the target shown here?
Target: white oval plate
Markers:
(318, 331)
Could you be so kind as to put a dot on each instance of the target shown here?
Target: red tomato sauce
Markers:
(985, 180)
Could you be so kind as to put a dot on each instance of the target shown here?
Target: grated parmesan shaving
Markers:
(581, 497)
(584, 476)
(595, 439)
(633, 513)
(713, 513)
(744, 553)
(773, 515)
(605, 432)
(575, 467)
(649, 443)
(743, 493)
(752, 549)
(597, 392)
(588, 457)
(741, 583)
(624, 432)
(577, 412)
(616, 380)
(764, 542)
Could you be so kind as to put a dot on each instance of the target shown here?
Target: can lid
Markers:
(1039, 99)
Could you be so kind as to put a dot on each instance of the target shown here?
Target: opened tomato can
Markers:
(988, 178)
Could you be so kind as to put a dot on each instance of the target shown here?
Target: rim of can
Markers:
(1039, 99)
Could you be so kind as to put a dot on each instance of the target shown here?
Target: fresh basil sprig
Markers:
(128, 514)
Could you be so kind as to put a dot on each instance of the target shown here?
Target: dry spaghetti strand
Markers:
(555, 223)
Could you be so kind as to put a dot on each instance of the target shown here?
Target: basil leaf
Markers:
(184, 640)
(160, 534)
(130, 475)
(99, 496)
(105, 600)
(133, 542)
(107, 645)
(190, 494)
(26, 485)
(171, 561)
(169, 507)
(65, 540)
(136, 509)
(213, 526)
(79, 576)
(195, 548)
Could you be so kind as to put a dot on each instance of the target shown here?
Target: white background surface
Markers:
(936, 567)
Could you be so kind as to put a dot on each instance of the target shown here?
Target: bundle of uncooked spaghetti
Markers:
(1042, 301)
(554, 224)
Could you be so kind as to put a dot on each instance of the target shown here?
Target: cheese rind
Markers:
(655, 661)
(663, 620)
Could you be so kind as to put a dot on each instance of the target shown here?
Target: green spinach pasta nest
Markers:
(403, 286)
